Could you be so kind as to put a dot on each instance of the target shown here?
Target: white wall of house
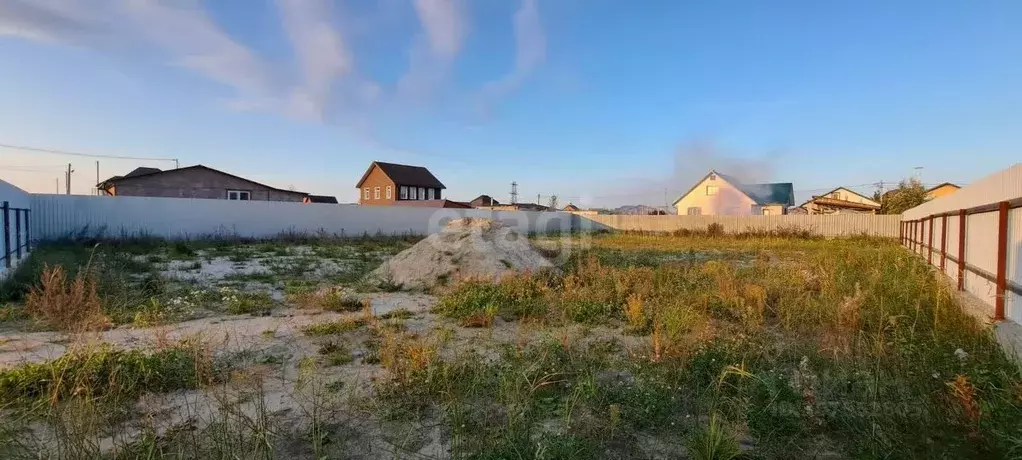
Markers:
(727, 201)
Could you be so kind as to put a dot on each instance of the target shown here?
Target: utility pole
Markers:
(96, 191)
(537, 198)
(67, 181)
(514, 193)
(58, 184)
(919, 173)
(666, 207)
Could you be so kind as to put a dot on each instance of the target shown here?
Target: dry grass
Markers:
(66, 305)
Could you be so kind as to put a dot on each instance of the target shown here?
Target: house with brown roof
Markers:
(196, 181)
(841, 201)
(392, 184)
(483, 200)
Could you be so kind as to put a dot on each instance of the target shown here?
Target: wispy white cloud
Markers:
(49, 20)
(322, 54)
(445, 26)
(530, 53)
(323, 83)
(192, 40)
(180, 32)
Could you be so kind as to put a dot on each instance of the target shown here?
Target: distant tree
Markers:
(909, 194)
(553, 203)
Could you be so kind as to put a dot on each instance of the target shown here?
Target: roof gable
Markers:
(403, 175)
(853, 192)
(136, 174)
(945, 184)
(761, 194)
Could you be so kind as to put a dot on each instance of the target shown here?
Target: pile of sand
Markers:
(465, 248)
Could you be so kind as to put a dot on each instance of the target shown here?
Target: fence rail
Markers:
(20, 234)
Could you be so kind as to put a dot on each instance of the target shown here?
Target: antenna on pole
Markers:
(514, 193)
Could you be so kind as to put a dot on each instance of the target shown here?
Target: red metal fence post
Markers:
(1002, 259)
(901, 233)
(943, 241)
(929, 245)
(961, 249)
(922, 228)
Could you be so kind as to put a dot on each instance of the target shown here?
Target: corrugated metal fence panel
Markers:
(1000, 186)
(1013, 303)
(61, 216)
(981, 252)
(951, 268)
(831, 225)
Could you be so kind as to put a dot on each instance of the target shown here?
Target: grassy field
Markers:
(641, 346)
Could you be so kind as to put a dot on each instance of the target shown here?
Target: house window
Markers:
(404, 192)
(376, 193)
(365, 194)
(411, 193)
(695, 211)
(766, 211)
(436, 194)
(711, 190)
(429, 194)
(241, 195)
(390, 192)
(422, 193)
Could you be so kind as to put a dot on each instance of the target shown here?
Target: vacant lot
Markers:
(639, 347)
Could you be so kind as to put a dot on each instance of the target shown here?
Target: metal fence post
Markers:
(28, 232)
(929, 245)
(17, 232)
(961, 249)
(7, 235)
(1002, 259)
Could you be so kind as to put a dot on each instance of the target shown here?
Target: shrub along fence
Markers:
(978, 229)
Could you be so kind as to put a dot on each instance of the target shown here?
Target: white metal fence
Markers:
(830, 225)
(59, 216)
(15, 217)
(975, 237)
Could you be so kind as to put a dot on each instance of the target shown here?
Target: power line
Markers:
(80, 154)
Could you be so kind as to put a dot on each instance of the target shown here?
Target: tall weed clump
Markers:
(68, 305)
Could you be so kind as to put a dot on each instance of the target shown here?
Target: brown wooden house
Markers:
(391, 184)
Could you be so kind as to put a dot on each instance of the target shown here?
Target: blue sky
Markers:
(600, 102)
